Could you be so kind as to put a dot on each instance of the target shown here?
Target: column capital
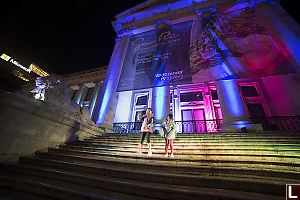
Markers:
(206, 11)
(162, 22)
(124, 32)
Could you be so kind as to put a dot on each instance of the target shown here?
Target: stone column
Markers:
(94, 97)
(79, 94)
(105, 106)
(233, 109)
(285, 37)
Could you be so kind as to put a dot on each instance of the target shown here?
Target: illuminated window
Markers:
(5, 57)
(20, 75)
(38, 70)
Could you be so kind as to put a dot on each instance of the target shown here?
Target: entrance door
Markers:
(187, 126)
(190, 125)
(200, 125)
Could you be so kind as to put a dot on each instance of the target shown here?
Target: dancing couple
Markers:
(167, 131)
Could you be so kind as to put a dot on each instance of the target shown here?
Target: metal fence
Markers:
(193, 126)
(282, 123)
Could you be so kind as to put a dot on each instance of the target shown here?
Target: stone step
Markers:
(196, 144)
(206, 166)
(247, 185)
(10, 194)
(289, 163)
(136, 188)
(194, 147)
(195, 152)
(190, 166)
(161, 140)
(53, 187)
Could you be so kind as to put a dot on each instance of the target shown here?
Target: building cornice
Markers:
(78, 78)
(144, 20)
(87, 76)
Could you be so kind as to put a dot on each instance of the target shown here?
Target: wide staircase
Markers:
(252, 166)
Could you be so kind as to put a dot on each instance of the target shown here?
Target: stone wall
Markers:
(28, 125)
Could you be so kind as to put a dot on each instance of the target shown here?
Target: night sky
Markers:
(66, 36)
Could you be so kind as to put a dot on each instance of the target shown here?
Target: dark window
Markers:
(171, 98)
(142, 100)
(214, 95)
(89, 94)
(249, 91)
(191, 96)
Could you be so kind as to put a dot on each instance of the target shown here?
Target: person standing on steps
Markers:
(169, 128)
(146, 129)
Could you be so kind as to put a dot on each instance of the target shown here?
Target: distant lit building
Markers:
(15, 72)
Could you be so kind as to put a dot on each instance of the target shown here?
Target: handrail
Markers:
(280, 123)
(190, 126)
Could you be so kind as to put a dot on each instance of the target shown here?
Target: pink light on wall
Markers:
(280, 99)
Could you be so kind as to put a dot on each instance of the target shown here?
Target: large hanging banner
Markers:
(157, 58)
(226, 46)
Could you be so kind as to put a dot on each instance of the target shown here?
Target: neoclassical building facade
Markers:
(204, 60)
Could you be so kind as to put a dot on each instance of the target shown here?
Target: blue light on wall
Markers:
(160, 99)
(107, 94)
(233, 98)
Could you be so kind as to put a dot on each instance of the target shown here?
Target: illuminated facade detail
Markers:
(5, 57)
(230, 60)
(38, 70)
(19, 65)
(40, 96)
(8, 58)
(20, 75)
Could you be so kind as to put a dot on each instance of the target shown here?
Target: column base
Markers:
(241, 127)
(107, 126)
